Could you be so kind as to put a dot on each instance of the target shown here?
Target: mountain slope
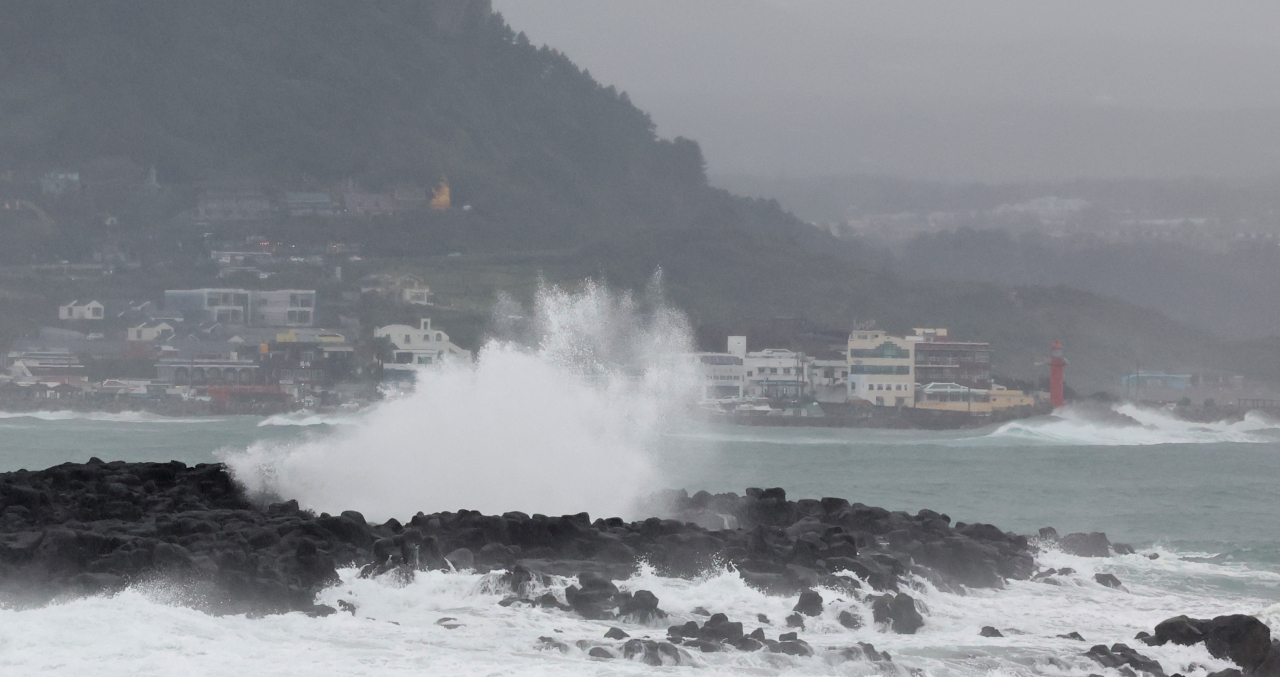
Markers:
(300, 94)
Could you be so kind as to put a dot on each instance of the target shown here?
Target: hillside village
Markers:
(236, 350)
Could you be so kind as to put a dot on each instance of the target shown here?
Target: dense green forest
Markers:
(303, 95)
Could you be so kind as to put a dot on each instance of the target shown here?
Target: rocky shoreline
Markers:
(95, 527)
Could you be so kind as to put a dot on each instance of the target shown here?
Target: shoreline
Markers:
(94, 528)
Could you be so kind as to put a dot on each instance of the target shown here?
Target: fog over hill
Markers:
(545, 162)
(998, 90)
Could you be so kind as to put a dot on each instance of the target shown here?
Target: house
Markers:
(881, 368)
(243, 307)
(308, 204)
(150, 330)
(420, 345)
(45, 366)
(411, 291)
(408, 198)
(243, 204)
(961, 398)
(720, 375)
(82, 310)
(828, 380)
(942, 359)
(368, 204)
(229, 370)
(776, 374)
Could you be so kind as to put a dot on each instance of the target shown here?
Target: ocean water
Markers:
(1202, 497)
(553, 424)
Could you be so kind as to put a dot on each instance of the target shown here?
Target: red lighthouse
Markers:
(1056, 363)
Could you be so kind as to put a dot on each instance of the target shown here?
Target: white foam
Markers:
(562, 427)
(106, 417)
(1073, 427)
(395, 629)
(307, 418)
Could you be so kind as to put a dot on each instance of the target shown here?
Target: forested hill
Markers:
(302, 92)
(311, 94)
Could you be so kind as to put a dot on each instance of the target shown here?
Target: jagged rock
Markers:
(988, 631)
(1108, 580)
(600, 652)
(1086, 545)
(615, 633)
(1120, 655)
(1073, 635)
(899, 611)
(795, 621)
(78, 528)
(650, 652)
(849, 620)
(1122, 548)
(1244, 640)
(809, 604)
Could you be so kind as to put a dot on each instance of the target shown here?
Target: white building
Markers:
(776, 373)
(880, 368)
(420, 345)
(82, 310)
(276, 308)
(150, 331)
(720, 375)
(828, 380)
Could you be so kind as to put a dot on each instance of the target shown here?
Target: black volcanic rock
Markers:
(1086, 545)
(1244, 640)
(899, 612)
(78, 528)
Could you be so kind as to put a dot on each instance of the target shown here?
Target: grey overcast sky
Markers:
(990, 90)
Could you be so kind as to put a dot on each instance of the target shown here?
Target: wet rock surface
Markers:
(84, 528)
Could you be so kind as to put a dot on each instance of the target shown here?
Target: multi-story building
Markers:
(720, 375)
(776, 374)
(881, 368)
(242, 307)
(942, 359)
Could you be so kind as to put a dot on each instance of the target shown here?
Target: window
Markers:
(898, 370)
(886, 350)
(439, 337)
(408, 338)
(749, 374)
(404, 358)
(424, 359)
(786, 370)
(773, 370)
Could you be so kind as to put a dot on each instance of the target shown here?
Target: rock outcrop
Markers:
(82, 528)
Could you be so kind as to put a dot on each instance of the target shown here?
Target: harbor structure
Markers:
(1056, 364)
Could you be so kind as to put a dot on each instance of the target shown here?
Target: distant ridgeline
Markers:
(302, 91)
(298, 97)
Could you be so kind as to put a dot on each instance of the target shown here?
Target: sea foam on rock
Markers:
(82, 528)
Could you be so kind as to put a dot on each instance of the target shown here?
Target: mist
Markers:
(991, 91)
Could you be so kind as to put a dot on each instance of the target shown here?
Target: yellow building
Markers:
(881, 369)
(955, 397)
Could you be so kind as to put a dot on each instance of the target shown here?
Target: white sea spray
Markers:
(561, 426)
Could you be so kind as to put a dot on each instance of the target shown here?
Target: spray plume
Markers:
(559, 426)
